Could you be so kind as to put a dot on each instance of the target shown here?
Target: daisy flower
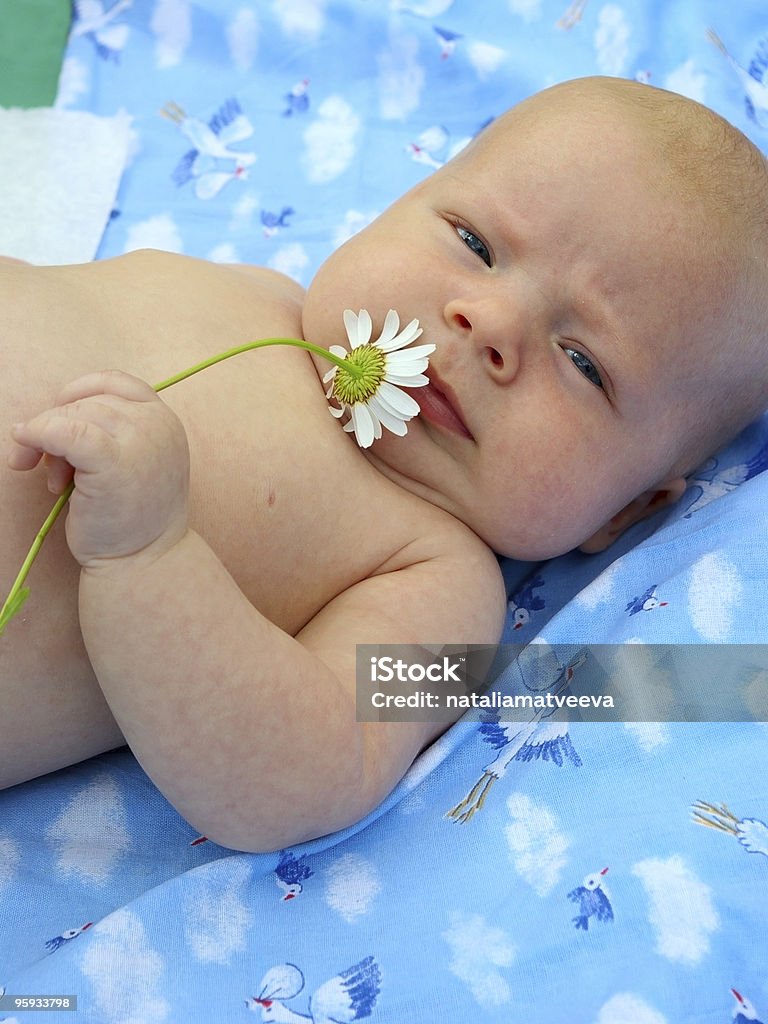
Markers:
(371, 394)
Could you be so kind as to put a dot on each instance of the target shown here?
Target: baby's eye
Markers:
(476, 244)
(586, 367)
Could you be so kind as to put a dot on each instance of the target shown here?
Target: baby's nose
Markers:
(493, 329)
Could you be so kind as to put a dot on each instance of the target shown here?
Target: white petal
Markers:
(392, 407)
(405, 337)
(350, 325)
(419, 352)
(381, 401)
(336, 412)
(330, 375)
(390, 329)
(412, 380)
(397, 399)
(364, 328)
(394, 423)
(412, 330)
(405, 366)
(337, 350)
(363, 425)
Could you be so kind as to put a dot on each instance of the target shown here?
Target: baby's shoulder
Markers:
(452, 577)
(189, 300)
(273, 280)
(259, 283)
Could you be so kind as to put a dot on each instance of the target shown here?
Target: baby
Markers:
(592, 272)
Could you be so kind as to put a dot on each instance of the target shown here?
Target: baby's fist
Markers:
(130, 460)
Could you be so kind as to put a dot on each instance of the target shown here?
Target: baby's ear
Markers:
(644, 505)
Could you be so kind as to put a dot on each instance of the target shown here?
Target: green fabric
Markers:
(32, 38)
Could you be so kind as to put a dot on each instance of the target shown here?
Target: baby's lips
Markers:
(439, 405)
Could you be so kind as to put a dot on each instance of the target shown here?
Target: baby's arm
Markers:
(249, 732)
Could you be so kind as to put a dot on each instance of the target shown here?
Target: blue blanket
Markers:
(543, 870)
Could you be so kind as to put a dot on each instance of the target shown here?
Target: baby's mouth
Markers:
(439, 406)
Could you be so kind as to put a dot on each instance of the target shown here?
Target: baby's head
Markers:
(593, 269)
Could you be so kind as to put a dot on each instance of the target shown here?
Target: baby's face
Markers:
(556, 284)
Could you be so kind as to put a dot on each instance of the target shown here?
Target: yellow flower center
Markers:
(361, 381)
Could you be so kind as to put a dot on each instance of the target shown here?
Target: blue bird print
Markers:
(297, 99)
(524, 602)
(754, 79)
(290, 873)
(349, 996)
(206, 163)
(592, 899)
(752, 833)
(744, 1011)
(708, 483)
(573, 15)
(427, 148)
(92, 21)
(529, 741)
(645, 602)
(71, 933)
(447, 40)
(272, 222)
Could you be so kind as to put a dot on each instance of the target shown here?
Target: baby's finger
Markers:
(84, 445)
(22, 457)
(60, 473)
(107, 382)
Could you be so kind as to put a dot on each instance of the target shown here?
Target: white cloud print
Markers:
(528, 10)
(171, 22)
(612, 40)
(330, 141)
(681, 910)
(303, 18)
(125, 973)
(401, 77)
(351, 886)
(93, 812)
(536, 845)
(714, 596)
(627, 1008)
(158, 232)
(216, 914)
(478, 951)
(242, 33)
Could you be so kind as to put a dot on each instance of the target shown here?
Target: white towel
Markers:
(59, 175)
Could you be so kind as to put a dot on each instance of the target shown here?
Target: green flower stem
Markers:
(19, 593)
(296, 342)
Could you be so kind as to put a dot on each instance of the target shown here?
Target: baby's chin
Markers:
(523, 545)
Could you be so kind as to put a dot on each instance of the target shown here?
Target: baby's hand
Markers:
(129, 457)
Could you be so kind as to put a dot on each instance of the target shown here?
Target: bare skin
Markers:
(222, 628)
(280, 523)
